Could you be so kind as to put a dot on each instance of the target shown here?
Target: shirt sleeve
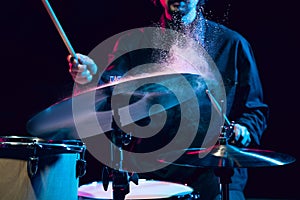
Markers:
(249, 108)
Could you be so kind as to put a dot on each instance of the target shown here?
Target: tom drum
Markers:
(35, 169)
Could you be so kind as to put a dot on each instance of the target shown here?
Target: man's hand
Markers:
(241, 135)
(83, 69)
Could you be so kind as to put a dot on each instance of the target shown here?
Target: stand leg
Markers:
(120, 184)
(120, 181)
(224, 175)
(120, 177)
(225, 191)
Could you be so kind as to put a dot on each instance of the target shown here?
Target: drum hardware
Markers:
(120, 177)
(81, 165)
(32, 166)
(226, 134)
(224, 173)
(33, 162)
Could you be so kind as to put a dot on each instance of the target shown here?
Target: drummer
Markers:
(234, 58)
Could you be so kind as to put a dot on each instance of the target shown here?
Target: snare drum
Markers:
(146, 189)
(35, 169)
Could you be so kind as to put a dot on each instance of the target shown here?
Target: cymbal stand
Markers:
(224, 173)
(226, 133)
(120, 177)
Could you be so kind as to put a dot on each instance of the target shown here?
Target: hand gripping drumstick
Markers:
(226, 131)
(59, 28)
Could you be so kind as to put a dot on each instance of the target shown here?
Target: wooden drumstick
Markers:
(218, 107)
(59, 28)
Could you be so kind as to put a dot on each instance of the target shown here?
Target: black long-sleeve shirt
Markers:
(231, 54)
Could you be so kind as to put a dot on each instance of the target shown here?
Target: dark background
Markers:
(34, 70)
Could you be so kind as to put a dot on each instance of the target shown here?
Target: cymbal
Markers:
(60, 120)
(228, 156)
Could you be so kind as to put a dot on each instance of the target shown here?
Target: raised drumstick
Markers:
(59, 28)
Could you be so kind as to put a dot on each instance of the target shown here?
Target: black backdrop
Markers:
(34, 71)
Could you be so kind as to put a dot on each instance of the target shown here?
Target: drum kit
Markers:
(42, 168)
(48, 165)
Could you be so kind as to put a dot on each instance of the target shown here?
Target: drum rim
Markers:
(42, 144)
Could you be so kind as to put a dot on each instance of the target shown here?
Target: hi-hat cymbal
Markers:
(228, 156)
(60, 120)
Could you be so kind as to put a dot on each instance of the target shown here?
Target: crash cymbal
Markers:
(228, 156)
(60, 120)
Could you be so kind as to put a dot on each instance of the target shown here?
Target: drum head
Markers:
(146, 189)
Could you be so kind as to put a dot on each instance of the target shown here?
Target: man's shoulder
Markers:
(224, 31)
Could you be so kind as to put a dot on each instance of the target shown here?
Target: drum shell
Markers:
(55, 178)
(57, 167)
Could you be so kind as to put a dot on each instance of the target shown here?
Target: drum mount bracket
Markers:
(120, 178)
(33, 161)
